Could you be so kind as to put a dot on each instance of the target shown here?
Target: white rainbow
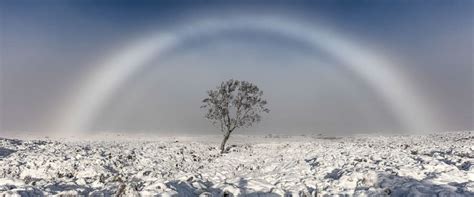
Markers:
(384, 77)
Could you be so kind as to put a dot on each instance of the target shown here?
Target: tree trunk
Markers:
(226, 137)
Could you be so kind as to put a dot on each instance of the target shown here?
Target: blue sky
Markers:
(47, 47)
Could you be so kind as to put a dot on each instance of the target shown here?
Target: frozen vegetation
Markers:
(440, 164)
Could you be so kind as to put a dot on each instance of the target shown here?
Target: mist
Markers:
(47, 50)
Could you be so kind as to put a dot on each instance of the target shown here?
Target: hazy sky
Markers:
(47, 47)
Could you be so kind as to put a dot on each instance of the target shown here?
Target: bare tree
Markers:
(234, 104)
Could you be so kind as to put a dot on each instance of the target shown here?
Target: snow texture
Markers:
(437, 164)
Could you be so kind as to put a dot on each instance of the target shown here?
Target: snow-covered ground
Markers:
(255, 165)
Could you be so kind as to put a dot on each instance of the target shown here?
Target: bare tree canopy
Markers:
(234, 104)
